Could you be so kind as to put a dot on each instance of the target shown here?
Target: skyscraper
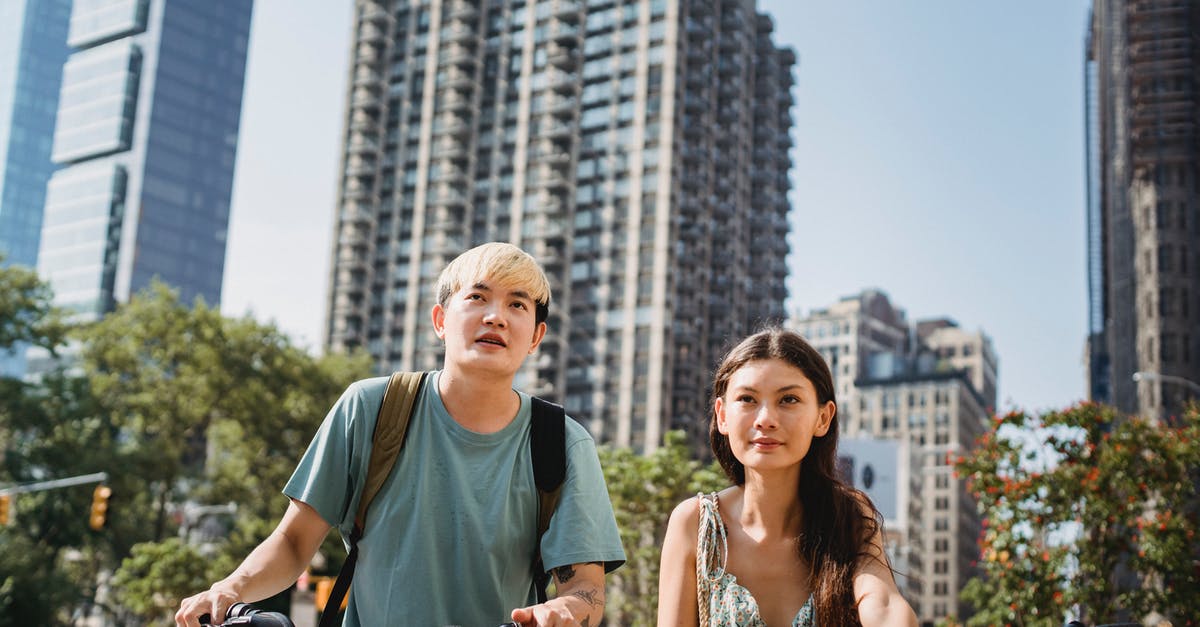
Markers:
(146, 137)
(33, 48)
(1143, 148)
(637, 148)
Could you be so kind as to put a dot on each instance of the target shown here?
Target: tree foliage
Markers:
(179, 405)
(1098, 513)
(644, 490)
(156, 575)
(27, 314)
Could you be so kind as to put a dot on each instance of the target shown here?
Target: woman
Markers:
(789, 543)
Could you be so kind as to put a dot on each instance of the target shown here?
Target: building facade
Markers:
(635, 147)
(1143, 156)
(930, 386)
(940, 415)
(33, 48)
(849, 332)
(146, 138)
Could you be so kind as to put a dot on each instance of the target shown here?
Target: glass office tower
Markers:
(146, 137)
(33, 48)
(637, 148)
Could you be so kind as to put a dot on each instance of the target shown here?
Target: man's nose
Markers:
(494, 316)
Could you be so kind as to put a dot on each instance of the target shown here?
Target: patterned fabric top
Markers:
(722, 602)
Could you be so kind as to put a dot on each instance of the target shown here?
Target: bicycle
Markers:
(246, 614)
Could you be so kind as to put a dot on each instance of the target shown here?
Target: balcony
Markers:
(365, 76)
(361, 167)
(372, 34)
(446, 196)
(461, 11)
(559, 107)
(457, 79)
(452, 126)
(551, 128)
(365, 98)
(459, 55)
(562, 82)
(550, 178)
(561, 56)
(358, 193)
(359, 145)
(567, 10)
(363, 123)
(357, 220)
(457, 33)
(376, 14)
(447, 148)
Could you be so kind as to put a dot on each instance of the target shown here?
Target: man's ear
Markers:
(719, 410)
(438, 314)
(825, 418)
(539, 333)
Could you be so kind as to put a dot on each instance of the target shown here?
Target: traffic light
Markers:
(99, 506)
(5, 503)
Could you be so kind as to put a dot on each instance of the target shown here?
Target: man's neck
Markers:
(480, 404)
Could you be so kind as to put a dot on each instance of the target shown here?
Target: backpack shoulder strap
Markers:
(391, 425)
(390, 428)
(548, 448)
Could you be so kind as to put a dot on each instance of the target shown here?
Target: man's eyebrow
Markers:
(521, 294)
(480, 285)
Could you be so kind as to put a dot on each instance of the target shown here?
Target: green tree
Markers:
(156, 575)
(26, 311)
(178, 405)
(1096, 512)
(644, 490)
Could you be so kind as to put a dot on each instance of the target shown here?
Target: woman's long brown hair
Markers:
(838, 521)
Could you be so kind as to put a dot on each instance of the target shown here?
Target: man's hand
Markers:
(215, 602)
(579, 601)
(545, 615)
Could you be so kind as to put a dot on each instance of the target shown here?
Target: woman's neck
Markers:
(481, 405)
(770, 504)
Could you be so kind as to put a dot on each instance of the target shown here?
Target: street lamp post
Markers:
(1166, 378)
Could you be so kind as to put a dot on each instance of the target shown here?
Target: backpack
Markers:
(547, 443)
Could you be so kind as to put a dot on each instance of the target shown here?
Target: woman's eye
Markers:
(745, 398)
(790, 399)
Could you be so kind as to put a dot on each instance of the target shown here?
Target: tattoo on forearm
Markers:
(564, 573)
(592, 597)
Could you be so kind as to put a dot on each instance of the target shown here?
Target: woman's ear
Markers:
(825, 418)
(719, 410)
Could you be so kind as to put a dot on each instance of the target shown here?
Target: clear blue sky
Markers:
(938, 156)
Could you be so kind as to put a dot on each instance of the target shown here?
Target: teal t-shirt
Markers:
(449, 538)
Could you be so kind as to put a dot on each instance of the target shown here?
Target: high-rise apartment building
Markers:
(1143, 213)
(146, 137)
(931, 385)
(637, 148)
(33, 48)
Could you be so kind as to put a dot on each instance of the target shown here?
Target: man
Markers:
(450, 537)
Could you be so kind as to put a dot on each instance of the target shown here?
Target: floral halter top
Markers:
(722, 602)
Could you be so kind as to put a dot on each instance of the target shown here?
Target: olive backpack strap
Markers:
(548, 448)
(390, 428)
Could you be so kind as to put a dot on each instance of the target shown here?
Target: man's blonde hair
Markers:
(502, 264)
